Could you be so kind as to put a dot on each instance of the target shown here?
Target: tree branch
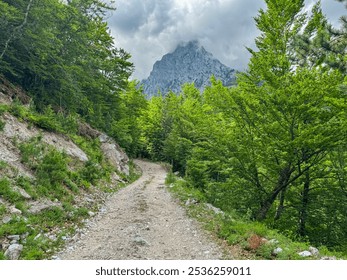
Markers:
(17, 29)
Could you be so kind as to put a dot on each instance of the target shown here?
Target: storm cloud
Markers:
(148, 29)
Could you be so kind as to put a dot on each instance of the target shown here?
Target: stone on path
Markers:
(13, 251)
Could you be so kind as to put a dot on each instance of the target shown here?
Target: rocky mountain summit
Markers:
(189, 63)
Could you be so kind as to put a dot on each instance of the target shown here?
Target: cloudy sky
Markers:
(148, 29)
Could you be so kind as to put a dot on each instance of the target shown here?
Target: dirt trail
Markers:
(142, 221)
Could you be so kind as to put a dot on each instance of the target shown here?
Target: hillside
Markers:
(54, 175)
(189, 63)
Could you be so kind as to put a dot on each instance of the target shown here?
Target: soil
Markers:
(143, 221)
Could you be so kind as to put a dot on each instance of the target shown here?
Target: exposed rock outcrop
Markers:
(114, 154)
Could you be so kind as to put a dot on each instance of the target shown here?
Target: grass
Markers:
(3, 165)
(8, 193)
(2, 125)
(249, 239)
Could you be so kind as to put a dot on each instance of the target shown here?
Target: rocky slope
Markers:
(26, 200)
(187, 64)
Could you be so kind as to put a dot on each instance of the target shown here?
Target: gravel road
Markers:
(143, 221)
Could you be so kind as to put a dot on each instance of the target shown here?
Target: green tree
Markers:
(127, 128)
(289, 117)
(63, 55)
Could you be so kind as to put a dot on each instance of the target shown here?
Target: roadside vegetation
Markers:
(238, 234)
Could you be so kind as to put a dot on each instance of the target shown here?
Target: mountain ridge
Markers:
(188, 63)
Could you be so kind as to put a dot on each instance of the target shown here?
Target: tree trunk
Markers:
(304, 205)
(280, 207)
(280, 186)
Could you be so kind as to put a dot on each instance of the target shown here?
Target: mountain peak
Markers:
(189, 62)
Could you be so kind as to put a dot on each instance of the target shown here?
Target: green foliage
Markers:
(53, 168)
(238, 231)
(31, 152)
(3, 108)
(64, 56)
(92, 172)
(170, 178)
(127, 130)
(47, 120)
(91, 147)
(3, 164)
(14, 227)
(2, 125)
(7, 192)
(2, 210)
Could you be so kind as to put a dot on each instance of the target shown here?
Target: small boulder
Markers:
(138, 240)
(314, 251)
(13, 251)
(190, 201)
(305, 254)
(214, 209)
(15, 211)
(23, 193)
(326, 258)
(277, 251)
(6, 219)
(14, 237)
(91, 214)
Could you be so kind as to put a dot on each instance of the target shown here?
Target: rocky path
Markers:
(142, 221)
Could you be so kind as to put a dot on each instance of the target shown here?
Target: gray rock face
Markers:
(114, 154)
(38, 206)
(187, 64)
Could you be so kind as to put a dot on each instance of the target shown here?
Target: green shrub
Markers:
(92, 171)
(7, 192)
(68, 123)
(53, 168)
(3, 108)
(28, 185)
(14, 227)
(19, 110)
(2, 210)
(31, 152)
(2, 125)
(170, 178)
(265, 251)
(91, 147)
(2, 256)
(35, 248)
(3, 164)
(48, 120)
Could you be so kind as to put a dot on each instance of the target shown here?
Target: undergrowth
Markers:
(255, 240)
